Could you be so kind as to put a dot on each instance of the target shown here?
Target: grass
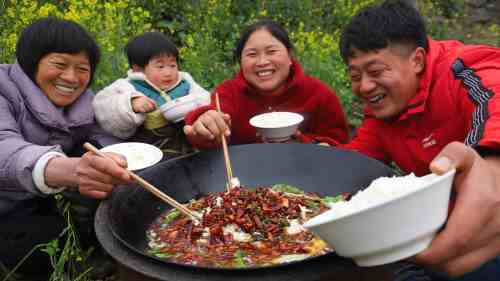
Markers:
(67, 257)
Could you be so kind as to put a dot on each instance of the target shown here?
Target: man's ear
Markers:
(418, 60)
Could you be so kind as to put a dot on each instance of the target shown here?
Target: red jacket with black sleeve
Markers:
(458, 100)
(324, 119)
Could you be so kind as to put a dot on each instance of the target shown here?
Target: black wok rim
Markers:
(118, 236)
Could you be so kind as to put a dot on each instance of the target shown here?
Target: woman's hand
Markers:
(471, 236)
(143, 104)
(210, 126)
(97, 175)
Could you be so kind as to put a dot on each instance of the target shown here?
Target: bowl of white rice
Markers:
(392, 219)
(276, 126)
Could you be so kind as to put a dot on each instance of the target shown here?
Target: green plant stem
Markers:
(11, 273)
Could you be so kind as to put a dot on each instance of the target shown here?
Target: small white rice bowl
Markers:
(276, 126)
(176, 110)
(139, 155)
(392, 219)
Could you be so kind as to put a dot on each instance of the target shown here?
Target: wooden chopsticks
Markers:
(151, 188)
(229, 171)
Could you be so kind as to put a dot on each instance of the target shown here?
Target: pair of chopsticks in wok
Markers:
(151, 188)
(231, 181)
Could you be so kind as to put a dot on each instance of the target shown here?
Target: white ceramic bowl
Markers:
(276, 126)
(175, 110)
(139, 155)
(392, 230)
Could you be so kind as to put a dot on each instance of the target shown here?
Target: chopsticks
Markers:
(151, 188)
(229, 171)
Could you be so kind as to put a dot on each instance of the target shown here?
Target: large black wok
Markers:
(325, 170)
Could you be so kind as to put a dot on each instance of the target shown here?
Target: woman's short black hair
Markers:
(377, 27)
(53, 35)
(142, 48)
(273, 27)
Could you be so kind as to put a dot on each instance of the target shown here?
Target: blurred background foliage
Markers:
(206, 31)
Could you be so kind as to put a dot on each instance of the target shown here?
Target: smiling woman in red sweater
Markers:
(270, 79)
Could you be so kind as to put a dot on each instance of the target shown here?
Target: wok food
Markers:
(242, 228)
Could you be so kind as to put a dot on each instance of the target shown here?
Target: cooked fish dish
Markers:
(242, 227)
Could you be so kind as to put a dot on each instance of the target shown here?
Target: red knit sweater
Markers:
(324, 119)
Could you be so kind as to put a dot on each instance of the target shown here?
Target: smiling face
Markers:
(63, 77)
(162, 71)
(265, 63)
(387, 79)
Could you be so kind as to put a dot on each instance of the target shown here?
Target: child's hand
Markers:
(143, 104)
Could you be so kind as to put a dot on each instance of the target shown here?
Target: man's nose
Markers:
(366, 85)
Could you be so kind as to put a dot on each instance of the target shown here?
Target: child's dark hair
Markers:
(53, 35)
(141, 49)
(377, 27)
(273, 27)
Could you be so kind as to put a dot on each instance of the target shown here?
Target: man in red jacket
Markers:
(420, 95)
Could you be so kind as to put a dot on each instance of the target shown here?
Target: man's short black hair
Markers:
(52, 35)
(377, 27)
(273, 27)
(141, 49)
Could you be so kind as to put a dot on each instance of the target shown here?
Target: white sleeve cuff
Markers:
(39, 173)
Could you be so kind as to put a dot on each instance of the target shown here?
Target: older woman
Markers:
(45, 114)
(270, 79)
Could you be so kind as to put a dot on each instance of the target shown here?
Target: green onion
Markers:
(171, 216)
(287, 188)
(239, 260)
(158, 253)
(328, 200)
(313, 205)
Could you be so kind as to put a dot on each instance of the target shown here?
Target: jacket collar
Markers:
(77, 114)
(294, 79)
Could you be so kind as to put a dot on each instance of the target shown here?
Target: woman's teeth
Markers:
(66, 89)
(264, 73)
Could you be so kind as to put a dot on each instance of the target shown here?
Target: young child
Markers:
(130, 108)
